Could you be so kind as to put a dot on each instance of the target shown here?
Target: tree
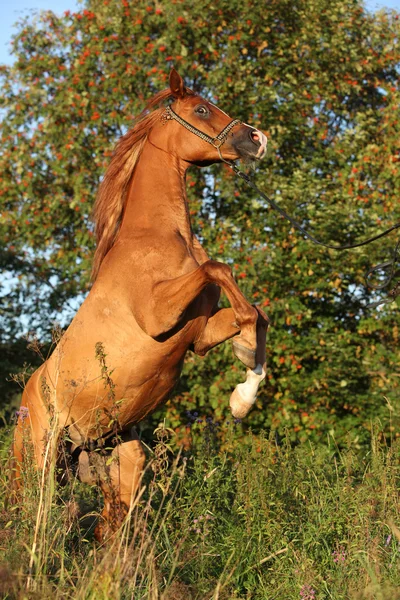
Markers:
(322, 79)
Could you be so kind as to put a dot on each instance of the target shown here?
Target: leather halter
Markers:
(216, 141)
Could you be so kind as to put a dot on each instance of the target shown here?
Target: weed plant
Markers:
(254, 518)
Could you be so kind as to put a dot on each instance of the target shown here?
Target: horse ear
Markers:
(176, 84)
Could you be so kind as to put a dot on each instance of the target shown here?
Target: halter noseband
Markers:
(216, 141)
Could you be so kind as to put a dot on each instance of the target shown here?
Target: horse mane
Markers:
(111, 198)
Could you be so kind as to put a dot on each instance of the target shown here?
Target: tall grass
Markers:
(257, 519)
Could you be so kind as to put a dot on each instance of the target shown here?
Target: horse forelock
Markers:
(111, 198)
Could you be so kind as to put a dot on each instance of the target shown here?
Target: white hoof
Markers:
(239, 408)
(244, 395)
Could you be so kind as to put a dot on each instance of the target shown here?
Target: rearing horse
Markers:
(155, 296)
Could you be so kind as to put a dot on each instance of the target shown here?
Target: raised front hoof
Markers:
(239, 407)
(246, 355)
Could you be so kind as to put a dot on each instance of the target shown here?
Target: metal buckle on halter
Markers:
(217, 142)
(166, 115)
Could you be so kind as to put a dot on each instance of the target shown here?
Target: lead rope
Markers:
(220, 139)
(391, 264)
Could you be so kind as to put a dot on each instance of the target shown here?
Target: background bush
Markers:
(255, 521)
(322, 79)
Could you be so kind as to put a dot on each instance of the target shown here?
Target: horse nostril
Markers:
(255, 136)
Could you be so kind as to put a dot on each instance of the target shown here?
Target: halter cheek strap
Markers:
(216, 141)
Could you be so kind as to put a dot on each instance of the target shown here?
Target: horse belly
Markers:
(128, 375)
(149, 379)
(142, 400)
(134, 375)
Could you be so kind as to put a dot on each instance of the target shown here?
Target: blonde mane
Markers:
(111, 197)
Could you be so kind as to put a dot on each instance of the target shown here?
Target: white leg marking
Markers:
(244, 395)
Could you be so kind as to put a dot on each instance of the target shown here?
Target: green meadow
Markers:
(249, 517)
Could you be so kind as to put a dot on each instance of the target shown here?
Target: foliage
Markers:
(321, 77)
(257, 520)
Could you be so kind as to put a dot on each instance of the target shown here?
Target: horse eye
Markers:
(201, 110)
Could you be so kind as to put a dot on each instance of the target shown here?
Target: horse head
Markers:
(200, 133)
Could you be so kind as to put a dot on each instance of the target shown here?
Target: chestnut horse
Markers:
(155, 296)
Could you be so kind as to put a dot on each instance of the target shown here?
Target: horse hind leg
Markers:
(31, 434)
(118, 474)
(16, 462)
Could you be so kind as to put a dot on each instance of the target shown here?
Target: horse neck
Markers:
(156, 196)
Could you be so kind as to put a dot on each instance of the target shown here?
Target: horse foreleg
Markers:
(244, 395)
(220, 327)
(170, 299)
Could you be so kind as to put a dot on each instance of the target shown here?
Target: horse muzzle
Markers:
(250, 143)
